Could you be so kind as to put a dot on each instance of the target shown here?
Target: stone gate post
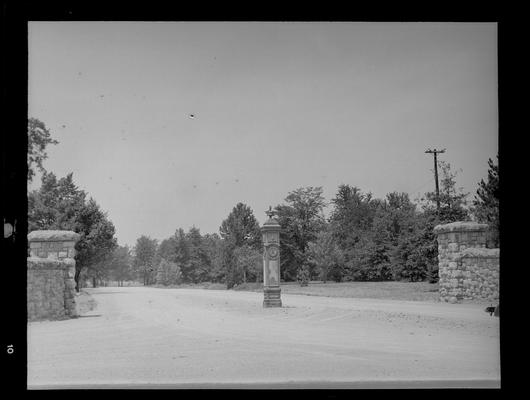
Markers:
(50, 275)
(466, 268)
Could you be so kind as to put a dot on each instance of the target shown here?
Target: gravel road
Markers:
(150, 337)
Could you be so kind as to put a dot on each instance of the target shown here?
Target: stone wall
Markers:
(50, 275)
(466, 268)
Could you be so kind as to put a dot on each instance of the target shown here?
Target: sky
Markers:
(275, 105)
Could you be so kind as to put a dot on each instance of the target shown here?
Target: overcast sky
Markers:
(277, 106)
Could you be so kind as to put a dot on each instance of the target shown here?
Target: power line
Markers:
(436, 152)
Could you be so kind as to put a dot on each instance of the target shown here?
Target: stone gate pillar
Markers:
(50, 275)
(271, 262)
(466, 268)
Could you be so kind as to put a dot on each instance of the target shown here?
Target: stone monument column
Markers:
(271, 261)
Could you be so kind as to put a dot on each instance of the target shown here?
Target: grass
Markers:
(410, 291)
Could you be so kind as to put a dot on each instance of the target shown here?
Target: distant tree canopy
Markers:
(364, 238)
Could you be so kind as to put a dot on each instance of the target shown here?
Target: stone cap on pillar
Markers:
(53, 244)
(460, 226)
(53, 236)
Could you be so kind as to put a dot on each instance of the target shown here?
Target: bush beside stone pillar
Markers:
(466, 269)
(50, 275)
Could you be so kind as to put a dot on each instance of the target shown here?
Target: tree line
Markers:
(363, 238)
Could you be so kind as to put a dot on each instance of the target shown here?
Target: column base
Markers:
(272, 297)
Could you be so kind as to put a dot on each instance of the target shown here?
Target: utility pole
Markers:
(436, 152)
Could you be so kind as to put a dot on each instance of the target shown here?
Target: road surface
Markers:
(193, 338)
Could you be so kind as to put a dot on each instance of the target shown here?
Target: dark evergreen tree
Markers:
(199, 263)
(39, 138)
(486, 203)
(241, 227)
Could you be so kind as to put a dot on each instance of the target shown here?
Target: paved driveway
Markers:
(149, 337)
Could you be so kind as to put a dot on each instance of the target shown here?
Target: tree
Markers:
(198, 263)
(239, 230)
(167, 249)
(228, 263)
(213, 246)
(249, 264)
(394, 217)
(300, 219)
(486, 202)
(168, 273)
(422, 257)
(59, 204)
(452, 199)
(417, 252)
(326, 256)
(415, 258)
(352, 215)
(369, 260)
(394, 221)
(352, 224)
(39, 138)
(182, 254)
(97, 241)
(120, 265)
(303, 276)
(144, 258)
(241, 227)
(56, 204)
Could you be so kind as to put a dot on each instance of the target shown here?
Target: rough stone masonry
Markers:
(466, 268)
(50, 275)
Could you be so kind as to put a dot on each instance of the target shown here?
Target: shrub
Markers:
(303, 276)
